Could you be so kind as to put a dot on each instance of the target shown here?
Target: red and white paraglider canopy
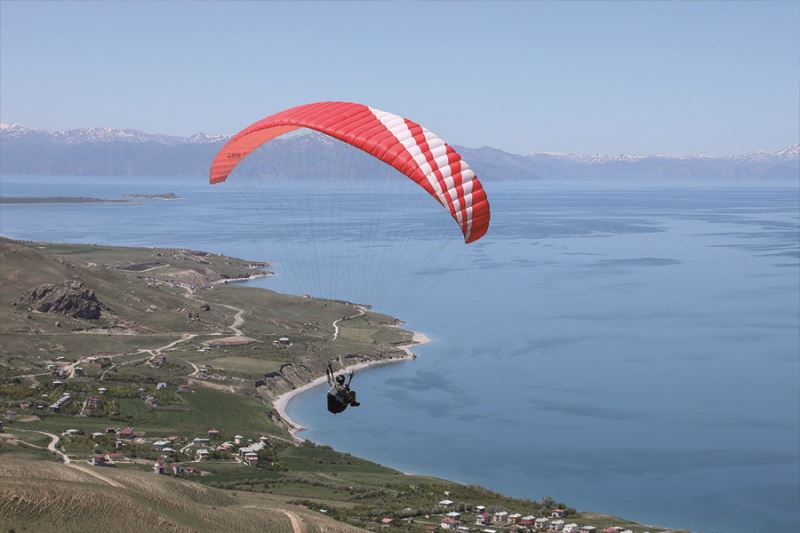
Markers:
(397, 141)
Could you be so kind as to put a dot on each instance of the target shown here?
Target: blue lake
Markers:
(625, 350)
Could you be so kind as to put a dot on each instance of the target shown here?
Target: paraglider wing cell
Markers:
(399, 142)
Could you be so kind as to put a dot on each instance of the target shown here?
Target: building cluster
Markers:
(553, 521)
(202, 448)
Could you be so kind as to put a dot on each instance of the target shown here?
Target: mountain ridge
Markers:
(129, 152)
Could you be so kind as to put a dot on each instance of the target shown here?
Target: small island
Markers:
(140, 384)
(59, 200)
(127, 199)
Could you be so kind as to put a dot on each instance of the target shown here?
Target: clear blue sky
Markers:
(679, 77)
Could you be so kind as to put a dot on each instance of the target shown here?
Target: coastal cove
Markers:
(281, 403)
(626, 375)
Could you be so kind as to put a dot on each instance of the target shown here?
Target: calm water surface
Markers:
(631, 351)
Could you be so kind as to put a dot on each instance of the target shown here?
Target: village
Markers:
(479, 519)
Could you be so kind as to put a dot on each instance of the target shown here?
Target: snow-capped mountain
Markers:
(111, 152)
(100, 135)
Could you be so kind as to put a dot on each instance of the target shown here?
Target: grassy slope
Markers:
(36, 495)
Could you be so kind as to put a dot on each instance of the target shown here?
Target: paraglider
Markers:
(405, 145)
(340, 395)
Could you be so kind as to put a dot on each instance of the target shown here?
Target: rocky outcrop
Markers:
(72, 298)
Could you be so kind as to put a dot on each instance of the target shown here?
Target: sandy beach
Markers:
(282, 401)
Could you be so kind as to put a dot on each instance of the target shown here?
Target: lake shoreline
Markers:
(281, 402)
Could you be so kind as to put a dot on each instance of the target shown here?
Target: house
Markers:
(253, 448)
(111, 430)
(78, 371)
(168, 451)
(540, 524)
(97, 435)
(483, 519)
(160, 467)
(556, 525)
(570, 528)
(72, 432)
(514, 518)
(213, 433)
(202, 453)
(184, 388)
(480, 508)
(99, 460)
(102, 390)
(199, 442)
(177, 469)
(588, 529)
(115, 457)
(446, 503)
(159, 445)
(432, 529)
(284, 341)
(500, 517)
(161, 386)
(558, 513)
(613, 529)
(238, 439)
(385, 522)
(126, 433)
(451, 520)
(251, 459)
(527, 521)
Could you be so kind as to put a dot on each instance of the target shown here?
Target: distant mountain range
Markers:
(113, 152)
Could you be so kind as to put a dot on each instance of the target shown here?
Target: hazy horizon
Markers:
(682, 78)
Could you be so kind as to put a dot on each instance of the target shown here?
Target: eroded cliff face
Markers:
(296, 374)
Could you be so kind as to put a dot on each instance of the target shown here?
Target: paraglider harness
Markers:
(340, 396)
